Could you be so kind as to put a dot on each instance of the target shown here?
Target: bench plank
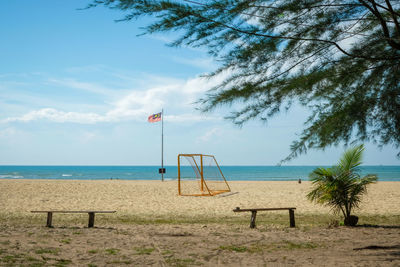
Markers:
(73, 211)
(254, 214)
(261, 209)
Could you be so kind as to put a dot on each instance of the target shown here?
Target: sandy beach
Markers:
(120, 240)
(155, 197)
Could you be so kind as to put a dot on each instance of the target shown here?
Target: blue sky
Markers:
(76, 88)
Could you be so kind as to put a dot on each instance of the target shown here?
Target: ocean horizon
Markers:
(232, 173)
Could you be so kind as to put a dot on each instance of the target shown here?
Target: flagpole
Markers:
(162, 145)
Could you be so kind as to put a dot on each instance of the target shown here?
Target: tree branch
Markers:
(296, 38)
(396, 23)
(383, 7)
(374, 10)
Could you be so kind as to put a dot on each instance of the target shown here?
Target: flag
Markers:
(154, 118)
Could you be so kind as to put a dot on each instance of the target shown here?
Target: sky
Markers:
(76, 88)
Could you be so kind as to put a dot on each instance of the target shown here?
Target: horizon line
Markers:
(228, 165)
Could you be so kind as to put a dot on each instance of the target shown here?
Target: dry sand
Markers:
(26, 242)
(156, 197)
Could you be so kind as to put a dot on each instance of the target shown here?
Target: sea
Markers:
(232, 173)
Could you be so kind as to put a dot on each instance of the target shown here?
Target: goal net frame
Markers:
(204, 189)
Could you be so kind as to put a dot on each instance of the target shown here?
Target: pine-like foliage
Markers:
(340, 59)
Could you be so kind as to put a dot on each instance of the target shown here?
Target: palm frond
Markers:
(341, 187)
(352, 158)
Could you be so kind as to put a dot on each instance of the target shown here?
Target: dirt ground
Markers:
(154, 226)
(198, 244)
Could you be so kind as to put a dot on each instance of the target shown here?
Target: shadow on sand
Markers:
(79, 228)
(378, 226)
(391, 251)
(374, 247)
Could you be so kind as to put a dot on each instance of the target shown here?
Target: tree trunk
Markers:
(351, 220)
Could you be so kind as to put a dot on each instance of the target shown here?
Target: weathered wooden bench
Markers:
(254, 214)
(90, 212)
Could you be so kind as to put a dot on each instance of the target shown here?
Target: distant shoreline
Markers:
(232, 173)
(175, 166)
(159, 180)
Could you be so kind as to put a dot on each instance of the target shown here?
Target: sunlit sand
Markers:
(161, 198)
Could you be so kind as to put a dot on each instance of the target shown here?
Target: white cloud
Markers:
(189, 117)
(177, 96)
(138, 104)
(197, 87)
(54, 115)
(209, 135)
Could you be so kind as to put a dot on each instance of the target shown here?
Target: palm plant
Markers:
(341, 186)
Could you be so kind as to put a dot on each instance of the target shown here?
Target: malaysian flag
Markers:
(154, 118)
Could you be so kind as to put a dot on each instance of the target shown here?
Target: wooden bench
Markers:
(90, 212)
(254, 214)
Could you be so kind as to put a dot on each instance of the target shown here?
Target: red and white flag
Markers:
(154, 118)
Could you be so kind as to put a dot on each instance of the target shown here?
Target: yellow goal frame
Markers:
(204, 189)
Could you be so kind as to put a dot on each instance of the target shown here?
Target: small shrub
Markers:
(53, 251)
(9, 259)
(144, 251)
(62, 262)
(112, 251)
(167, 252)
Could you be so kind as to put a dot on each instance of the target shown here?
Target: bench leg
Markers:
(91, 219)
(291, 216)
(253, 219)
(49, 219)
